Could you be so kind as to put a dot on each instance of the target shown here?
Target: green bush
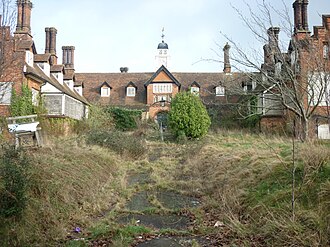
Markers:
(120, 142)
(188, 115)
(99, 118)
(124, 119)
(22, 105)
(13, 181)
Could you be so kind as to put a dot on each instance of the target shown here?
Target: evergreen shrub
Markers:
(188, 115)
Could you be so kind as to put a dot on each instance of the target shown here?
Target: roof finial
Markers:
(163, 35)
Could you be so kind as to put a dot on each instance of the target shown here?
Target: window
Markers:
(162, 88)
(35, 97)
(220, 91)
(194, 90)
(29, 58)
(158, 98)
(326, 51)
(130, 91)
(5, 93)
(319, 89)
(105, 92)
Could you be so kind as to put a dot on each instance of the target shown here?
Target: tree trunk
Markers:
(304, 129)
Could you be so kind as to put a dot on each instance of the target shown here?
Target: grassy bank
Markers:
(243, 180)
(68, 185)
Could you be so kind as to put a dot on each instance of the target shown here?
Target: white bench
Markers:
(24, 126)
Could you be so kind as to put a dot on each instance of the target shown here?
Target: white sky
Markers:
(109, 34)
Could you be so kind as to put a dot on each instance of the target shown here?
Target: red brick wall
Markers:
(155, 109)
(4, 111)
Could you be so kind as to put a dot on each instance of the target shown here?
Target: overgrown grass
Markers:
(68, 185)
(246, 180)
(243, 180)
(124, 144)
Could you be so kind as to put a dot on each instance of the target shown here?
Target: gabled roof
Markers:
(41, 57)
(37, 73)
(79, 84)
(57, 68)
(131, 84)
(105, 84)
(69, 74)
(163, 69)
(26, 45)
(195, 84)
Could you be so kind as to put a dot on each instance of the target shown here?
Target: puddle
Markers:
(174, 200)
(139, 202)
(176, 222)
(138, 178)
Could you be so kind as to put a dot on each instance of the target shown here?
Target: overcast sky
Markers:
(109, 34)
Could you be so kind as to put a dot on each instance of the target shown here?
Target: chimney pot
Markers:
(227, 66)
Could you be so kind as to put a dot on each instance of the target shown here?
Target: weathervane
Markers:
(163, 35)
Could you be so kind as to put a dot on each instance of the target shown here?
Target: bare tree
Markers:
(296, 80)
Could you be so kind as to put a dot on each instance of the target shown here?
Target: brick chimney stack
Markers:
(273, 33)
(227, 66)
(68, 56)
(50, 46)
(24, 8)
(271, 49)
(305, 15)
(300, 8)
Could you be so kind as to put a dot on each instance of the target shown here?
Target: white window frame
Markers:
(220, 91)
(194, 90)
(105, 91)
(162, 88)
(325, 51)
(35, 96)
(130, 91)
(29, 58)
(317, 81)
(5, 93)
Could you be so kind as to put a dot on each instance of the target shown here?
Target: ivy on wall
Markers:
(22, 105)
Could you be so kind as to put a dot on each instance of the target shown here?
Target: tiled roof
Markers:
(41, 57)
(69, 74)
(168, 73)
(24, 44)
(119, 81)
(39, 74)
(57, 68)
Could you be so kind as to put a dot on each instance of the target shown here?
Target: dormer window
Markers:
(194, 88)
(220, 91)
(130, 91)
(105, 90)
(248, 86)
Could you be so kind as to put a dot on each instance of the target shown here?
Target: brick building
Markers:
(307, 65)
(153, 91)
(21, 65)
